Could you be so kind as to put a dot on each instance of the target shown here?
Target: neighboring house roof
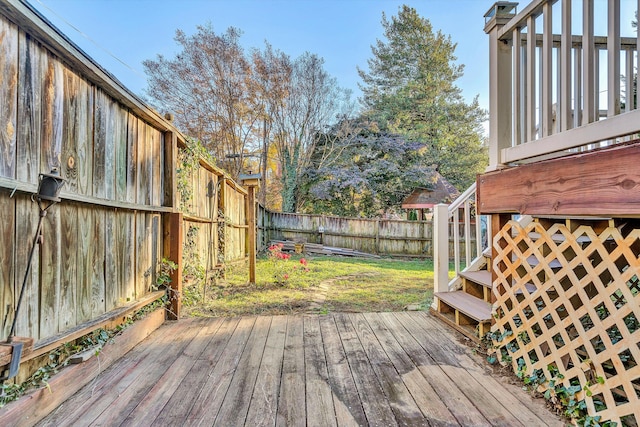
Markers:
(441, 192)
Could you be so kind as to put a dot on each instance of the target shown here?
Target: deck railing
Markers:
(559, 72)
(448, 222)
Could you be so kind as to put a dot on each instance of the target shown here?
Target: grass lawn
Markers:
(335, 283)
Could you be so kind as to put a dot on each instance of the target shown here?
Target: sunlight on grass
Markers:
(350, 284)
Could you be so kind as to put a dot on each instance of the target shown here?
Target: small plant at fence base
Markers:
(59, 357)
(284, 269)
(562, 397)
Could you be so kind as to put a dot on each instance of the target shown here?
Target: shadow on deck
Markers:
(379, 369)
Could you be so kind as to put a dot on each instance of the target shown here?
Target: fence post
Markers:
(440, 249)
(172, 246)
(377, 236)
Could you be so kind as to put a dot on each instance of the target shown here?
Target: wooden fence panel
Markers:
(26, 221)
(30, 88)
(69, 260)
(236, 223)
(132, 159)
(111, 292)
(143, 173)
(50, 263)
(119, 117)
(375, 236)
(7, 234)
(113, 161)
(156, 144)
(96, 257)
(8, 94)
(125, 255)
(84, 242)
(52, 115)
(77, 149)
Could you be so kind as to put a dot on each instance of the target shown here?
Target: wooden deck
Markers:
(382, 369)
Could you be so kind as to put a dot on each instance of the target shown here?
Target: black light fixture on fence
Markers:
(48, 194)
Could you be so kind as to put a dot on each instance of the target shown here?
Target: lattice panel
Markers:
(570, 296)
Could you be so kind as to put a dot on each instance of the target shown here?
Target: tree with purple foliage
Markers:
(372, 174)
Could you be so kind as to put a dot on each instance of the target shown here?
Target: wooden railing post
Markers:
(440, 248)
(252, 182)
(500, 75)
(172, 246)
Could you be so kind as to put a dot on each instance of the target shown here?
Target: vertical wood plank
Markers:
(97, 258)
(143, 163)
(497, 222)
(564, 100)
(101, 112)
(629, 96)
(112, 248)
(69, 234)
(155, 143)
(27, 212)
(50, 266)
(83, 288)
(518, 85)
(577, 87)
(613, 60)
(109, 150)
(589, 61)
(530, 107)
(30, 97)
(173, 245)
(120, 141)
(8, 94)
(143, 273)
(70, 127)
(83, 136)
(132, 158)
(52, 115)
(170, 160)
(126, 249)
(546, 63)
(7, 234)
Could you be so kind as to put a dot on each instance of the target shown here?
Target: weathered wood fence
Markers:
(389, 237)
(121, 211)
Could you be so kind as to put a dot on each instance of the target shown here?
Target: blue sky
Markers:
(340, 31)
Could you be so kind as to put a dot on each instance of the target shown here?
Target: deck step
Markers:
(464, 312)
(481, 277)
(471, 306)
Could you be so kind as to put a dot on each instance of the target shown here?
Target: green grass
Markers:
(353, 285)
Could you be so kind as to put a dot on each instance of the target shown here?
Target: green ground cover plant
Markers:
(289, 285)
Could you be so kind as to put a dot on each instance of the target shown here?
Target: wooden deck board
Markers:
(378, 369)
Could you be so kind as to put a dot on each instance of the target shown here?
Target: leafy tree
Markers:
(242, 104)
(410, 89)
(374, 171)
(208, 86)
(313, 101)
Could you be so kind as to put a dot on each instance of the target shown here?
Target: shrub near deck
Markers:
(338, 284)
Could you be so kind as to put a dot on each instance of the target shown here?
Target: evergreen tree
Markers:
(410, 89)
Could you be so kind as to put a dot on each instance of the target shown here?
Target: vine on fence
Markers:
(562, 397)
(188, 163)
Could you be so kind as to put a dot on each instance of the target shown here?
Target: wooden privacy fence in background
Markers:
(389, 237)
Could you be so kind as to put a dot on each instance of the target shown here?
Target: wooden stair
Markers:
(468, 310)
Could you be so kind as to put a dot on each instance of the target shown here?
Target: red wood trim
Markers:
(599, 183)
(173, 224)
